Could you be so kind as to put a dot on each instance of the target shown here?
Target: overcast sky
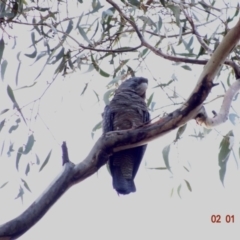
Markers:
(92, 209)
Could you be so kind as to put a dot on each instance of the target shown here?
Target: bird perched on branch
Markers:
(127, 110)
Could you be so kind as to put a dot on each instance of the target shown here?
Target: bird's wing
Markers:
(139, 151)
(107, 119)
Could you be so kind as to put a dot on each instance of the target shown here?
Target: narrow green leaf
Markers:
(58, 56)
(2, 7)
(27, 169)
(13, 128)
(103, 73)
(190, 43)
(122, 63)
(83, 34)
(96, 127)
(186, 67)
(90, 68)
(176, 12)
(79, 19)
(4, 111)
(135, 3)
(35, 26)
(179, 190)
(20, 193)
(27, 86)
(3, 68)
(97, 96)
(187, 54)
(2, 46)
(84, 89)
(10, 94)
(152, 106)
(180, 131)
(2, 124)
(163, 3)
(70, 27)
(159, 24)
(107, 95)
(165, 153)
(61, 66)
(144, 51)
(26, 185)
(51, 53)
(41, 9)
(17, 73)
(70, 63)
(40, 55)
(2, 147)
(233, 118)
(130, 71)
(45, 161)
(126, 49)
(108, 168)
(95, 6)
(158, 168)
(10, 150)
(32, 55)
(163, 85)
(19, 154)
(223, 155)
(37, 160)
(173, 50)
(188, 185)
(149, 101)
(237, 10)
(186, 169)
(114, 80)
(29, 144)
(96, 29)
(3, 185)
(33, 38)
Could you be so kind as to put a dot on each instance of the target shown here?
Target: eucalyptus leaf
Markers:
(165, 154)
(224, 154)
(2, 46)
(45, 161)
(3, 68)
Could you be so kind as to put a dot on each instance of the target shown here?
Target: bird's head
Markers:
(135, 84)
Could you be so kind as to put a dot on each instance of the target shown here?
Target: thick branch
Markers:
(21, 224)
(119, 140)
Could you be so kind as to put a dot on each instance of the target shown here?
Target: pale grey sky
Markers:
(92, 209)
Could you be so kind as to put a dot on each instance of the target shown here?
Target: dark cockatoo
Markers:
(127, 110)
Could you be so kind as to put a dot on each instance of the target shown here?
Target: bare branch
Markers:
(221, 117)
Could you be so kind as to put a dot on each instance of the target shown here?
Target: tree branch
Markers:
(158, 51)
(221, 117)
(196, 33)
(119, 140)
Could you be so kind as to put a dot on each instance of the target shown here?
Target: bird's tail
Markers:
(121, 184)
